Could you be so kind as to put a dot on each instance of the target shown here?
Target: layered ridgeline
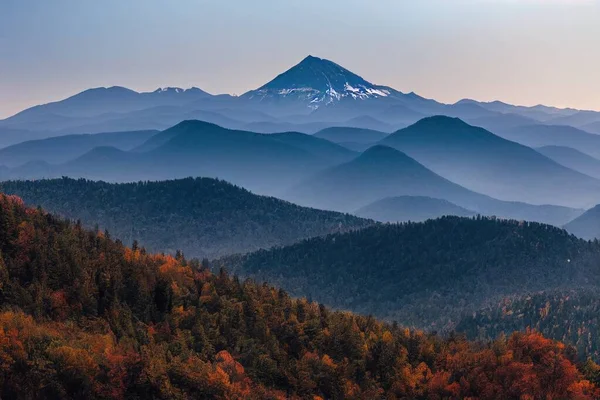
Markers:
(539, 112)
(411, 208)
(554, 135)
(571, 158)
(428, 274)
(202, 217)
(60, 149)
(381, 172)
(85, 317)
(108, 100)
(300, 167)
(263, 163)
(102, 109)
(488, 164)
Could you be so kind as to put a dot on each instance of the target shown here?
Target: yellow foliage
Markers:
(77, 360)
(387, 337)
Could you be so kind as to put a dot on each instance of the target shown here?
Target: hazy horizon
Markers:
(524, 52)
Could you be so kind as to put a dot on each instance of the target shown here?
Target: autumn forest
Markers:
(86, 317)
(415, 218)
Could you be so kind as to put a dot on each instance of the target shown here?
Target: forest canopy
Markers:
(427, 275)
(86, 317)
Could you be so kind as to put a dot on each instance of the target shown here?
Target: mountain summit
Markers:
(318, 82)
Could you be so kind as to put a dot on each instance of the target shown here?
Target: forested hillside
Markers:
(570, 316)
(202, 217)
(85, 317)
(428, 274)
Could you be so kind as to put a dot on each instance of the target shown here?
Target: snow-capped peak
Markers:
(317, 82)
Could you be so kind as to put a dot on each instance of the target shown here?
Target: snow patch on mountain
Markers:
(169, 90)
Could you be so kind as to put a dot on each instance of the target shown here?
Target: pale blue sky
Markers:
(520, 51)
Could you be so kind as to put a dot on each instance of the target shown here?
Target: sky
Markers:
(519, 51)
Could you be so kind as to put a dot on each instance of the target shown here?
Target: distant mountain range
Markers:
(310, 96)
(312, 171)
(382, 172)
(264, 163)
(116, 99)
(486, 163)
(539, 112)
